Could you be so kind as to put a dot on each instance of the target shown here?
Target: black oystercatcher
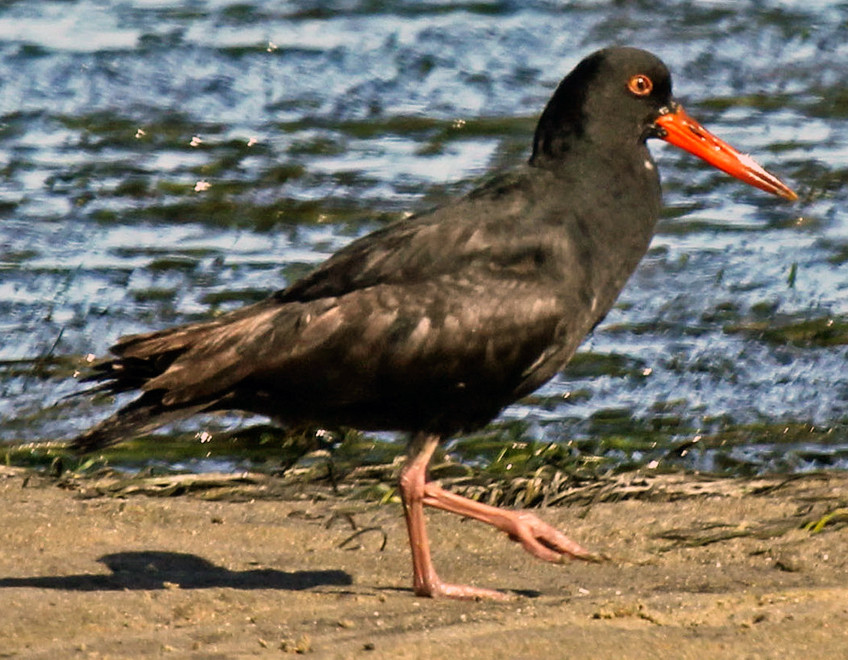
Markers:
(432, 325)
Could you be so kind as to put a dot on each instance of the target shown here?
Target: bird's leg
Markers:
(413, 490)
(538, 538)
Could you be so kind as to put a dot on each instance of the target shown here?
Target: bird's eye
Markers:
(640, 85)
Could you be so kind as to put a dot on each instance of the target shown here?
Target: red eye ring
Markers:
(640, 85)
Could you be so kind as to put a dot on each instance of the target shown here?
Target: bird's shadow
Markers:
(165, 570)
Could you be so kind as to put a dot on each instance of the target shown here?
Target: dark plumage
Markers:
(433, 324)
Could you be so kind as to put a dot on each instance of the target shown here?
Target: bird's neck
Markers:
(609, 203)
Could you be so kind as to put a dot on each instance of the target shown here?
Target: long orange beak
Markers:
(682, 131)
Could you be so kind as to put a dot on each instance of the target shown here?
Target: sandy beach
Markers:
(698, 568)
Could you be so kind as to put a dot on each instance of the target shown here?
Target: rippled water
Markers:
(164, 160)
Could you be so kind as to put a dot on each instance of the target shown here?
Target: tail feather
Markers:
(138, 360)
(140, 416)
(178, 372)
(124, 374)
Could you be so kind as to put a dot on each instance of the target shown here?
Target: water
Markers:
(162, 161)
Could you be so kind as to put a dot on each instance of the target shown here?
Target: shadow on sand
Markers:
(161, 570)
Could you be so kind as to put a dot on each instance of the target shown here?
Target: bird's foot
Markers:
(439, 589)
(536, 537)
(541, 539)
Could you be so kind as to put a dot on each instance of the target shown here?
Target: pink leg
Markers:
(537, 537)
(425, 581)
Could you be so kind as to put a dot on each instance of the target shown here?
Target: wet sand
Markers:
(698, 568)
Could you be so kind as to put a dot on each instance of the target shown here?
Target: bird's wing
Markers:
(487, 225)
(492, 333)
(388, 356)
(483, 292)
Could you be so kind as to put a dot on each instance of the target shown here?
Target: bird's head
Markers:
(617, 97)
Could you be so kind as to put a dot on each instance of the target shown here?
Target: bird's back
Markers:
(432, 323)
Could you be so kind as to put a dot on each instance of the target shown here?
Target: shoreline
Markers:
(723, 567)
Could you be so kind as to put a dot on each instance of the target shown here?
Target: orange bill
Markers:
(682, 131)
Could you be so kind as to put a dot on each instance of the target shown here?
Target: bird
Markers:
(433, 324)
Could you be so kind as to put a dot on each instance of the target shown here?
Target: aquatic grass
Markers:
(659, 328)
(510, 449)
(836, 516)
(794, 330)
(820, 181)
(504, 460)
(722, 312)
(555, 401)
(13, 258)
(765, 309)
(231, 212)
(154, 295)
(164, 252)
(46, 367)
(773, 433)
(180, 263)
(838, 251)
(419, 127)
(685, 225)
(99, 123)
(830, 103)
(128, 174)
(106, 129)
(771, 102)
(314, 453)
(587, 364)
(37, 456)
(133, 186)
(254, 445)
(320, 145)
(241, 296)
